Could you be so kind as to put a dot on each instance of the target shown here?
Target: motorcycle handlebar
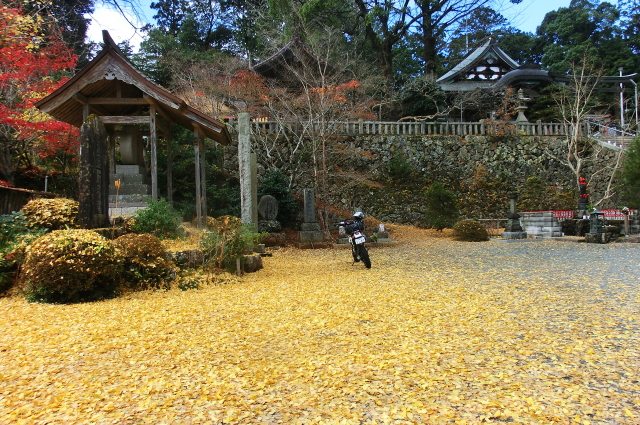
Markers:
(344, 223)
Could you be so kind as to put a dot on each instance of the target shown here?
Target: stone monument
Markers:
(310, 228)
(513, 229)
(93, 175)
(268, 213)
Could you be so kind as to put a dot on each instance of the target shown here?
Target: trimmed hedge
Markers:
(470, 231)
(69, 266)
(145, 261)
(52, 214)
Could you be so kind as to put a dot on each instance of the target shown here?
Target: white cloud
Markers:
(112, 20)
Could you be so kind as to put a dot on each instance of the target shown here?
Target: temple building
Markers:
(489, 69)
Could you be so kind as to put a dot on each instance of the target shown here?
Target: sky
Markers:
(526, 16)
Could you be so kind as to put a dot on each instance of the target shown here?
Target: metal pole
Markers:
(635, 95)
(621, 103)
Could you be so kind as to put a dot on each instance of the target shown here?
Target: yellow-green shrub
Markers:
(470, 231)
(145, 261)
(52, 214)
(69, 266)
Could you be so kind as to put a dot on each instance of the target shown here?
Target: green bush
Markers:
(442, 207)
(226, 240)
(145, 261)
(15, 231)
(470, 231)
(69, 266)
(52, 214)
(158, 219)
(15, 235)
(399, 167)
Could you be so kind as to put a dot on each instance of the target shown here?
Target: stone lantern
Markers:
(513, 229)
(597, 230)
(596, 224)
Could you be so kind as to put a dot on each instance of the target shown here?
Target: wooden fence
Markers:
(13, 199)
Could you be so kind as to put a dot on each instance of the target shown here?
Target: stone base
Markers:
(310, 227)
(130, 169)
(315, 245)
(310, 236)
(514, 235)
(598, 237)
(541, 225)
(269, 226)
(274, 239)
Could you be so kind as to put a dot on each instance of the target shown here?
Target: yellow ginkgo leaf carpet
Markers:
(436, 332)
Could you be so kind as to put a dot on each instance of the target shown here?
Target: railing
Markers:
(614, 214)
(609, 136)
(353, 128)
(494, 226)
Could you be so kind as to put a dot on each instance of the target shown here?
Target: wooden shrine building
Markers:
(110, 94)
(488, 68)
(294, 66)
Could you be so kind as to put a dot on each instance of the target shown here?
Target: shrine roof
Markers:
(455, 78)
(293, 54)
(111, 86)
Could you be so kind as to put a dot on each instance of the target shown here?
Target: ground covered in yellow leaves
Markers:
(436, 332)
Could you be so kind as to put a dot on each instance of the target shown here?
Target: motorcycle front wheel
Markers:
(364, 256)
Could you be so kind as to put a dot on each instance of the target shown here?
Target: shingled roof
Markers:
(293, 58)
(481, 68)
(112, 87)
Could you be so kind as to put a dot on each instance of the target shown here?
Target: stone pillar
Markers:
(93, 179)
(248, 201)
(310, 229)
(254, 188)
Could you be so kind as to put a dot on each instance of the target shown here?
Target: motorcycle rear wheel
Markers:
(364, 256)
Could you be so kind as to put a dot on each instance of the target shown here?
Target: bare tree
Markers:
(585, 156)
(309, 102)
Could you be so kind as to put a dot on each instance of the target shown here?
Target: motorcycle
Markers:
(356, 239)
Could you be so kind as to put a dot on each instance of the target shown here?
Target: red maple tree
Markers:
(33, 61)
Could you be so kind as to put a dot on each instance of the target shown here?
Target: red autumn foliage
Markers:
(31, 65)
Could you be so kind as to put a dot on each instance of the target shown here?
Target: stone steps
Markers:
(125, 209)
(134, 189)
(541, 225)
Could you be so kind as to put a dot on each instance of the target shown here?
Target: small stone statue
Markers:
(268, 211)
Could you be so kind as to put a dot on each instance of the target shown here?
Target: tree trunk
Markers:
(429, 46)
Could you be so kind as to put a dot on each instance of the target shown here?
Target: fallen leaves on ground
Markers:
(436, 332)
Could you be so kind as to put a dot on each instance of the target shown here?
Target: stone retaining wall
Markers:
(358, 168)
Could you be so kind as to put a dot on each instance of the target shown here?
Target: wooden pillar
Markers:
(112, 149)
(196, 152)
(203, 180)
(169, 166)
(201, 187)
(154, 152)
